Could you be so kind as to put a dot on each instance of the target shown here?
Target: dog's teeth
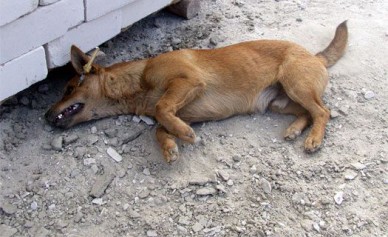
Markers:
(60, 116)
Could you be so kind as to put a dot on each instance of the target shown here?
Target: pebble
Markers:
(93, 130)
(146, 171)
(7, 231)
(34, 205)
(136, 119)
(206, 191)
(126, 206)
(152, 233)
(144, 194)
(8, 208)
(149, 121)
(358, 166)
(200, 180)
(57, 143)
(221, 188)
(89, 161)
(92, 139)
(339, 197)
(111, 133)
(134, 214)
(334, 114)
(114, 154)
(316, 227)
(350, 174)
(266, 186)
(223, 174)
(197, 227)
(43, 88)
(70, 139)
(307, 225)
(369, 95)
(24, 101)
(236, 158)
(98, 201)
(80, 151)
(101, 184)
(230, 182)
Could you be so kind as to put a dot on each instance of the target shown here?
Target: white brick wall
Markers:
(11, 10)
(37, 34)
(22, 72)
(35, 29)
(85, 36)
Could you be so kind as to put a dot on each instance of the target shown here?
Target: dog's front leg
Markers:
(167, 143)
(179, 92)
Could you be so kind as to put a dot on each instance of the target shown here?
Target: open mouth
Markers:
(68, 112)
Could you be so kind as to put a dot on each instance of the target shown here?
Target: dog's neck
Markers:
(132, 95)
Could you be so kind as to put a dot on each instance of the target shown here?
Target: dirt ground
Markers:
(243, 179)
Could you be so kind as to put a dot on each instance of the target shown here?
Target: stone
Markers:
(8, 208)
(70, 138)
(307, 225)
(223, 174)
(266, 186)
(43, 88)
(197, 227)
(200, 180)
(149, 121)
(144, 193)
(334, 114)
(206, 191)
(369, 95)
(34, 205)
(111, 133)
(146, 171)
(339, 197)
(101, 184)
(136, 119)
(358, 166)
(114, 154)
(93, 130)
(80, 152)
(350, 174)
(152, 233)
(7, 231)
(98, 201)
(57, 143)
(89, 161)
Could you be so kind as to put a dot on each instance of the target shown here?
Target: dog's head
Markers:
(83, 98)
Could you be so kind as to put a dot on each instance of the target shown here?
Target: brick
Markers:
(46, 2)
(140, 9)
(11, 10)
(22, 72)
(97, 8)
(86, 36)
(39, 27)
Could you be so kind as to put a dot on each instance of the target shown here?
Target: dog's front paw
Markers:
(312, 144)
(171, 154)
(187, 134)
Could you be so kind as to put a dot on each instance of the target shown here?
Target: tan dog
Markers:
(185, 86)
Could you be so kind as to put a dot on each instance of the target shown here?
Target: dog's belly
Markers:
(216, 106)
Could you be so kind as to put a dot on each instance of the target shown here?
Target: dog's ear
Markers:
(78, 59)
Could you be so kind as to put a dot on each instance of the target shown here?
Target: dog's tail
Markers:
(330, 55)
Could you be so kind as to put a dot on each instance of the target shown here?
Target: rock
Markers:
(316, 227)
(43, 88)
(144, 193)
(98, 201)
(111, 133)
(149, 121)
(114, 154)
(57, 143)
(92, 139)
(24, 101)
(93, 130)
(350, 174)
(126, 206)
(8, 208)
(101, 184)
(236, 158)
(146, 171)
(7, 231)
(80, 152)
(70, 139)
(136, 119)
(89, 161)
(223, 174)
(230, 182)
(307, 225)
(201, 180)
(266, 186)
(221, 188)
(339, 197)
(34, 205)
(206, 191)
(358, 166)
(152, 233)
(197, 227)
(134, 214)
(334, 114)
(369, 95)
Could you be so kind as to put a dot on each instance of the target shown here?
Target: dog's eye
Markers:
(69, 89)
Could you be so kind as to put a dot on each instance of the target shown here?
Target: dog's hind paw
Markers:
(291, 134)
(312, 144)
(171, 154)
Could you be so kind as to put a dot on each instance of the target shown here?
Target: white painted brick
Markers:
(39, 27)
(140, 9)
(22, 72)
(13, 9)
(86, 36)
(97, 8)
(46, 2)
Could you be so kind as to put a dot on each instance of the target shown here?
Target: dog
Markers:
(191, 85)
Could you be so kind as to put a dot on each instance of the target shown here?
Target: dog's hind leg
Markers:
(168, 144)
(284, 105)
(179, 92)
